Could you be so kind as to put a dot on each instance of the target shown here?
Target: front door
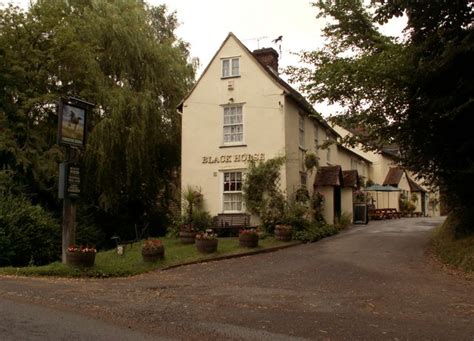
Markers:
(337, 203)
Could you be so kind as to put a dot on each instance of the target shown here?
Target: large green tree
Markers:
(416, 91)
(123, 56)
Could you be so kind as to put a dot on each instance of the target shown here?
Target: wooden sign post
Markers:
(72, 133)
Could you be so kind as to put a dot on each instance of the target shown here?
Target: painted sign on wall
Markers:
(233, 158)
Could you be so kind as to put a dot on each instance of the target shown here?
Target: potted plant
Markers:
(283, 232)
(248, 238)
(153, 250)
(187, 234)
(80, 256)
(206, 242)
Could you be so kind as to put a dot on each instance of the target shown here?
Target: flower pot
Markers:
(84, 259)
(283, 234)
(187, 237)
(152, 255)
(248, 240)
(206, 245)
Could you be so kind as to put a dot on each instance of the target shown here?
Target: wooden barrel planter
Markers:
(153, 255)
(248, 240)
(206, 245)
(283, 234)
(187, 237)
(84, 259)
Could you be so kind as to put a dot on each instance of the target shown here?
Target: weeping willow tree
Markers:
(122, 55)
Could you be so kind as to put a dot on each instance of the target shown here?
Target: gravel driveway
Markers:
(370, 282)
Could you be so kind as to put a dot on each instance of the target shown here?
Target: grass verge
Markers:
(109, 264)
(453, 251)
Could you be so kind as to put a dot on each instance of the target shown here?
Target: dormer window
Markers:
(230, 67)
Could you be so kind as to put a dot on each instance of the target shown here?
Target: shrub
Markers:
(314, 232)
(28, 234)
(201, 220)
(344, 221)
(296, 216)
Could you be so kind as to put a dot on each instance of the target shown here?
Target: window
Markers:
(232, 197)
(316, 139)
(301, 130)
(233, 124)
(303, 179)
(328, 156)
(230, 67)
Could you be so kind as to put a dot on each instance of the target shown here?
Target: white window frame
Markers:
(234, 124)
(305, 176)
(316, 139)
(230, 192)
(301, 133)
(232, 71)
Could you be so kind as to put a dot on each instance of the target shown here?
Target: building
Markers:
(241, 110)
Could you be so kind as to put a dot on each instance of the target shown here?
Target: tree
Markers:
(121, 55)
(416, 91)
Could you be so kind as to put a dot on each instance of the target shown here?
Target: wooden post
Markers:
(68, 226)
(69, 213)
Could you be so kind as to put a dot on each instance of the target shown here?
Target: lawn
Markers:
(109, 264)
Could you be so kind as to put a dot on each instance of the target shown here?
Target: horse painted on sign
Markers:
(74, 120)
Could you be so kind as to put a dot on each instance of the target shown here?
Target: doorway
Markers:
(337, 203)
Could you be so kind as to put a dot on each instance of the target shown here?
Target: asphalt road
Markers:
(370, 282)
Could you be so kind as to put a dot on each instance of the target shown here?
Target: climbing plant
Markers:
(262, 194)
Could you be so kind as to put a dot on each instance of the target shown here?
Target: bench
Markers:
(230, 223)
(141, 232)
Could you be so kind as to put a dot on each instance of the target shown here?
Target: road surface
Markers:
(370, 282)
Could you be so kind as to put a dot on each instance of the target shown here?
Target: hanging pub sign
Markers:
(72, 122)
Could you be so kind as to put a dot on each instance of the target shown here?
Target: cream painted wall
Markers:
(328, 209)
(292, 149)
(346, 202)
(202, 123)
(380, 162)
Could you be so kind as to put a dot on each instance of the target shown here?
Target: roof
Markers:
(394, 176)
(414, 187)
(350, 178)
(329, 176)
(288, 90)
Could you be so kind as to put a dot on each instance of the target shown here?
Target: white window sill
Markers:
(233, 145)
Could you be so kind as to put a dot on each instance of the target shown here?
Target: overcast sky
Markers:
(206, 23)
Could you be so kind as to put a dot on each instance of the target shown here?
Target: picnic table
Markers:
(384, 213)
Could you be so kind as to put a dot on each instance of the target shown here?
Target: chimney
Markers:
(268, 57)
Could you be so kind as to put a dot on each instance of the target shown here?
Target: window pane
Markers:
(225, 68)
(233, 127)
(235, 67)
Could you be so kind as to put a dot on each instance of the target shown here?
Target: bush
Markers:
(314, 232)
(201, 220)
(296, 216)
(28, 234)
(344, 221)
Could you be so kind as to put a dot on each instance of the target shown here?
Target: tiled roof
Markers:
(414, 187)
(328, 176)
(394, 176)
(350, 178)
